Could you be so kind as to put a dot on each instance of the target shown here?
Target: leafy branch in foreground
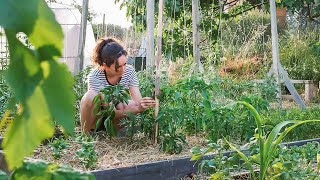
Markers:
(267, 143)
(38, 169)
(104, 105)
(40, 84)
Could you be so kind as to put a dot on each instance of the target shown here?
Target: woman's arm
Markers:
(135, 94)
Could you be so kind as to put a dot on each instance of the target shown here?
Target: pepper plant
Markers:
(104, 105)
(220, 124)
(171, 140)
(245, 120)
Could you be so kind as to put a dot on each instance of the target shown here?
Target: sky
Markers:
(112, 12)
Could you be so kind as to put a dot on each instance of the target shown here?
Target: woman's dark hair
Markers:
(107, 51)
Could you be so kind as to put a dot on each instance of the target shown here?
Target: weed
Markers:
(220, 166)
(87, 153)
(295, 162)
(58, 145)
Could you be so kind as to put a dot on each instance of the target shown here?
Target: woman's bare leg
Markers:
(87, 117)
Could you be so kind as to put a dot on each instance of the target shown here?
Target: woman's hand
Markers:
(147, 102)
(135, 108)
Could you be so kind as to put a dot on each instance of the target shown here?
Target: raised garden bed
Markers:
(173, 169)
(180, 168)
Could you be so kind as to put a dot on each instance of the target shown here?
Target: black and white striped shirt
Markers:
(97, 79)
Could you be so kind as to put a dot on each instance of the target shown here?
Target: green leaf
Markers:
(36, 20)
(211, 163)
(97, 124)
(244, 157)
(196, 153)
(38, 170)
(273, 135)
(216, 176)
(278, 165)
(207, 104)
(59, 95)
(28, 129)
(32, 169)
(41, 86)
(97, 98)
(195, 157)
(255, 158)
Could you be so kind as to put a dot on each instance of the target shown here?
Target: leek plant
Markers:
(267, 143)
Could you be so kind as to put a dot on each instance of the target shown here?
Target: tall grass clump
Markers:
(300, 54)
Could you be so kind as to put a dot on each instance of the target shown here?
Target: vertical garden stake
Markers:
(82, 37)
(157, 86)
(150, 34)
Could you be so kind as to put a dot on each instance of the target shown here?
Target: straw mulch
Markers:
(117, 152)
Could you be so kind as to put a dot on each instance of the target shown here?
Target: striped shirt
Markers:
(97, 79)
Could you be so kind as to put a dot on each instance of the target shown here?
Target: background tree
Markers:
(308, 8)
(177, 31)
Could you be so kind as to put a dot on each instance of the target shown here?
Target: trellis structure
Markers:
(4, 51)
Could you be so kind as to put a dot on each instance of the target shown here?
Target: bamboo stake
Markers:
(159, 53)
